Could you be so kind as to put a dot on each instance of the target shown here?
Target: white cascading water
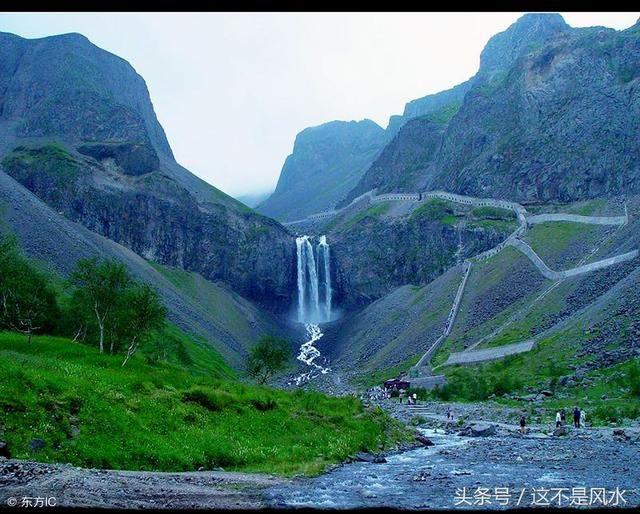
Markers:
(313, 307)
(309, 353)
(301, 277)
(323, 249)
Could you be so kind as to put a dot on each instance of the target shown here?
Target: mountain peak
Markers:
(527, 33)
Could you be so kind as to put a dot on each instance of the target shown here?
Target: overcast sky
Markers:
(233, 89)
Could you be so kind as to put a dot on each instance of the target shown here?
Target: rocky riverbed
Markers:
(67, 486)
(476, 463)
(479, 472)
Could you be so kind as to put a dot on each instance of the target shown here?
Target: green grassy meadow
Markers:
(92, 412)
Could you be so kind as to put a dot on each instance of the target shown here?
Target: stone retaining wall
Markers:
(490, 353)
(592, 220)
(408, 197)
(558, 275)
(416, 197)
(424, 360)
(428, 382)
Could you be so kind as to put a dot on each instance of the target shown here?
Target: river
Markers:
(484, 473)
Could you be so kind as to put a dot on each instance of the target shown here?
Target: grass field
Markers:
(613, 393)
(92, 412)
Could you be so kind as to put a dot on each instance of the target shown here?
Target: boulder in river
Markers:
(424, 441)
(365, 457)
(482, 430)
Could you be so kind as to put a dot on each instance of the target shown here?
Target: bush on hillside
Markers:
(270, 355)
(27, 301)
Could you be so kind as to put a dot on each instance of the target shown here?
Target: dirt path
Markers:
(76, 487)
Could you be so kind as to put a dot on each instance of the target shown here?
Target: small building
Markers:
(396, 384)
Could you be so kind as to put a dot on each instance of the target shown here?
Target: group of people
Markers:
(412, 399)
(579, 417)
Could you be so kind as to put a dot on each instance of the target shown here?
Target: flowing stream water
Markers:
(436, 477)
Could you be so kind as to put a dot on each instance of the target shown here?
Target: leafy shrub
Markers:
(417, 420)
(264, 405)
(633, 379)
(434, 209)
(211, 400)
(493, 213)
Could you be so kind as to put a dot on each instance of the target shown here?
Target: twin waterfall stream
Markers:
(314, 300)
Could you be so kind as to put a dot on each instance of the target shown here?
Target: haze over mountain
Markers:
(78, 129)
(326, 163)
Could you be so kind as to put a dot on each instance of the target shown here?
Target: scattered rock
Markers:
(379, 459)
(364, 457)
(37, 444)
(560, 431)
(546, 393)
(424, 441)
(482, 430)
(620, 434)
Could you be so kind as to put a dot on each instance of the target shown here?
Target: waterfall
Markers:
(314, 300)
(313, 282)
(324, 248)
(312, 306)
(301, 279)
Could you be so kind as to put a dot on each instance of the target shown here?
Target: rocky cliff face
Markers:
(561, 125)
(327, 161)
(551, 115)
(391, 244)
(407, 162)
(78, 129)
(442, 102)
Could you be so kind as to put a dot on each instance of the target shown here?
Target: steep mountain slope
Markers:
(327, 161)
(78, 129)
(444, 102)
(379, 246)
(312, 181)
(58, 244)
(561, 125)
(588, 321)
(551, 115)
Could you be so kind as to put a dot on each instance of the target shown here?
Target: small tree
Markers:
(100, 285)
(27, 301)
(142, 314)
(270, 355)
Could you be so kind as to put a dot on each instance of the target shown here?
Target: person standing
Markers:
(523, 422)
(583, 418)
(415, 398)
(558, 419)
(576, 417)
(401, 395)
(563, 417)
